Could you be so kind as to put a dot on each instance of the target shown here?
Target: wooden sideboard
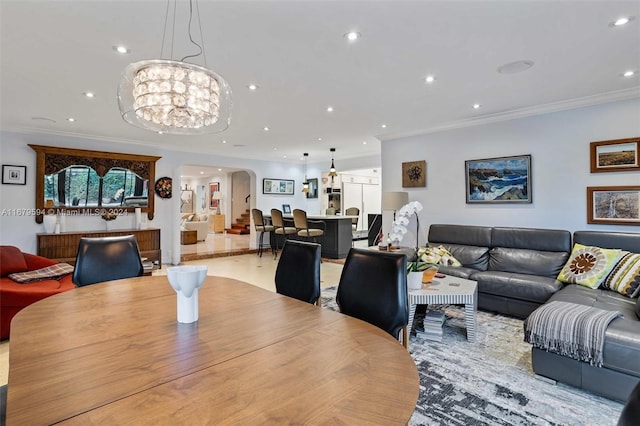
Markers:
(63, 247)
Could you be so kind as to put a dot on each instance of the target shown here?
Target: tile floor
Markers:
(218, 254)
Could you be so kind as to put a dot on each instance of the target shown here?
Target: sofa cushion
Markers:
(589, 265)
(11, 260)
(625, 275)
(523, 261)
(470, 256)
(531, 288)
(457, 271)
(532, 239)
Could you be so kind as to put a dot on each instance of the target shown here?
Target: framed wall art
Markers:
(414, 174)
(14, 175)
(313, 188)
(277, 186)
(214, 199)
(286, 209)
(619, 155)
(613, 205)
(499, 180)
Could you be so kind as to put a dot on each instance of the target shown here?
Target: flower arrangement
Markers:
(108, 215)
(399, 226)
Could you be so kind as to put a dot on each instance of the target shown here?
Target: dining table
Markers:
(114, 353)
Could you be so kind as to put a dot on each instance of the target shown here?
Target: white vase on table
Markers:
(49, 221)
(186, 280)
(414, 280)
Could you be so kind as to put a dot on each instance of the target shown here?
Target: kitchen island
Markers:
(337, 237)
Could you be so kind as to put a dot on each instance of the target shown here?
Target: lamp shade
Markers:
(394, 200)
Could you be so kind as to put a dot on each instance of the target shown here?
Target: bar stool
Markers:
(353, 211)
(278, 224)
(258, 222)
(302, 226)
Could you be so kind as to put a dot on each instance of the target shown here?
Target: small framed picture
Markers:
(286, 209)
(613, 205)
(14, 175)
(619, 155)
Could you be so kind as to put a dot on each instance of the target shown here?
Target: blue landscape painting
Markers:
(499, 179)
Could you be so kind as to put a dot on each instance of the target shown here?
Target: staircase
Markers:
(242, 225)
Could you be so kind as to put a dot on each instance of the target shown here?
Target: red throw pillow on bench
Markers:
(11, 260)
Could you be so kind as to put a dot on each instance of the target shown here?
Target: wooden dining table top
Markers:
(113, 353)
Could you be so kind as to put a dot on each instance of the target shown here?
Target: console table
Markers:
(63, 247)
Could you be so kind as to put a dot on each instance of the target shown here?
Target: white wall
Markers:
(20, 230)
(559, 147)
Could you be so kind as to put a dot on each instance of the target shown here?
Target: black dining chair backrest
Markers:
(298, 271)
(373, 288)
(105, 259)
(630, 415)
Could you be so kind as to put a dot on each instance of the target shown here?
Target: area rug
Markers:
(491, 382)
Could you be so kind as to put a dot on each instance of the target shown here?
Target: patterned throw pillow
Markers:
(437, 255)
(625, 275)
(588, 266)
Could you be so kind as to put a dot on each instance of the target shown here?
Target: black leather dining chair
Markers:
(373, 288)
(298, 271)
(261, 228)
(105, 259)
(630, 415)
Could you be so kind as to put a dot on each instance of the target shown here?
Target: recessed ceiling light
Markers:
(284, 156)
(71, 119)
(219, 170)
(201, 172)
(429, 79)
(253, 86)
(160, 132)
(89, 94)
(224, 141)
(329, 109)
(352, 35)
(121, 49)
(275, 149)
(629, 73)
(384, 126)
(621, 21)
(476, 106)
(364, 142)
(319, 139)
(266, 129)
(515, 67)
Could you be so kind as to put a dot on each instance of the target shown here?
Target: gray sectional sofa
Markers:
(516, 270)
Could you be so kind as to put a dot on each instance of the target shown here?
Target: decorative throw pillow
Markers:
(437, 255)
(625, 275)
(52, 272)
(11, 260)
(588, 266)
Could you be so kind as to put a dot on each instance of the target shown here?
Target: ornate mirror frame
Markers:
(50, 160)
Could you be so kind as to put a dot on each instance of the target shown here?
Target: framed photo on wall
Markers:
(286, 209)
(313, 188)
(499, 180)
(619, 155)
(277, 186)
(14, 175)
(613, 205)
(214, 201)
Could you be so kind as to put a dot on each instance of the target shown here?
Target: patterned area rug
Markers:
(491, 382)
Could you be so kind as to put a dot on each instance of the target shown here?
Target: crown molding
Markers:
(618, 95)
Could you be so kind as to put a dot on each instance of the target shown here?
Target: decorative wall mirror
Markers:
(85, 182)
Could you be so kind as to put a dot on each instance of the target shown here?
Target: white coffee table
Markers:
(448, 290)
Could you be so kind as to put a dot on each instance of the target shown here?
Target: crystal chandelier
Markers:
(169, 96)
(305, 184)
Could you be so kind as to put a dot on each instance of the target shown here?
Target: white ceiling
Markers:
(53, 51)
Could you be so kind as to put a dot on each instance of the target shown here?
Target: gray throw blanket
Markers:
(569, 329)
